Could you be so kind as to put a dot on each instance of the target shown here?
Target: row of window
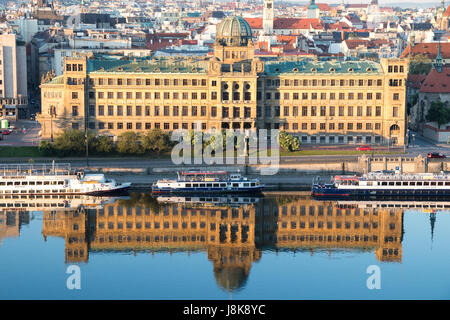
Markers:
(270, 111)
(323, 111)
(146, 95)
(322, 82)
(150, 82)
(329, 225)
(323, 96)
(31, 183)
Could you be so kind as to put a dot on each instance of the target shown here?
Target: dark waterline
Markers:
(282, 246)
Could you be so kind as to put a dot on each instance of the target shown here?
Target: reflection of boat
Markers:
(209, 200)
(56, 179)
(423, 205)
(53, 202)
(208, 182)
(385, 184)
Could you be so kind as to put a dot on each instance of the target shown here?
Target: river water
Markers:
(280, 246)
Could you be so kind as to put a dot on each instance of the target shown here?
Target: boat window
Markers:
(384, 183)
(46, 183)
(391, 183)
(39, 183)
(369, 183)
(188, 185)
(2, 184)
(209, 185)
(53, 182)
(426, 183)
(433, 183)
(405, 183)
(398, 183)
(447, 183)
(246, 184)
(31, 183)
(202, 185)
(195, 185)
(252, 184)
(223, 185)
(440, 183)
(61, 182)
(10, 184)
(412, 183)
(216, 185)
(235, 185)
(24, 183)
(17, 183)
(419, 183)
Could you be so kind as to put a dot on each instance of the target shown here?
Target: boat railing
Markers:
(19, 170)
(406, 178)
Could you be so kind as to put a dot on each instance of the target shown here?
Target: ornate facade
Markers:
(333, 102)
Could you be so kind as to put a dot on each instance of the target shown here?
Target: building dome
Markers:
(233, 31)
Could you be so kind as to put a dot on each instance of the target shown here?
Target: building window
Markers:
(396, 96)
(129, 111)
(101, 110)
(119, 110)
(74, 95)
(119, 125)
(74, 111)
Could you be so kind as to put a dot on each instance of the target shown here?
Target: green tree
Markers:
(70, 143)
(439, 113)
(46, 148)
(128, 143)
(156, 140)
(288, 142)
(103, 145)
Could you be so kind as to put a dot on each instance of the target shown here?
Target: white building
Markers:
(13, 77)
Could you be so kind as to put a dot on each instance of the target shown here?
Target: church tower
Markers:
(313, 11)
(268, 17)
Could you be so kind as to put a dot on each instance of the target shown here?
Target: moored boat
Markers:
(208, 182)
(18, 180)
(384, 184)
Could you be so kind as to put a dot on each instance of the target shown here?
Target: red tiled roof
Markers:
(428, 49)
(286, 23)
(447, 12)
(437, 82)
(354, 43)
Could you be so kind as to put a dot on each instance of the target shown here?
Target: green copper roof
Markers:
(149, 65)
(321, 67)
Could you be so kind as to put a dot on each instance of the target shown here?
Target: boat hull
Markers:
(365, 193)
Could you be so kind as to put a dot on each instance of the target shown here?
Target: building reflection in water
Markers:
(233, 231)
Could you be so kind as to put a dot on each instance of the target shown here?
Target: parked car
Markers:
(436, 155)
(6, 132)
(363, 148)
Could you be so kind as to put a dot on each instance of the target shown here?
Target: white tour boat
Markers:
(54, 179)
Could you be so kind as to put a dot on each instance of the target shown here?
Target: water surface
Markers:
(277, 247)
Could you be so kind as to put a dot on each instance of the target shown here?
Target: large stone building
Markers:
(320, 101)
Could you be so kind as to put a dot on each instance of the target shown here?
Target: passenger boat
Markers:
(208, 200)
(54, 179)
(384, 184)
(208, 182)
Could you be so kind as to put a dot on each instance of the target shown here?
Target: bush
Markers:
(70, 143)
(156, 140)
(289, 142)
(128, 143)
(104, 145)
(46, 148)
